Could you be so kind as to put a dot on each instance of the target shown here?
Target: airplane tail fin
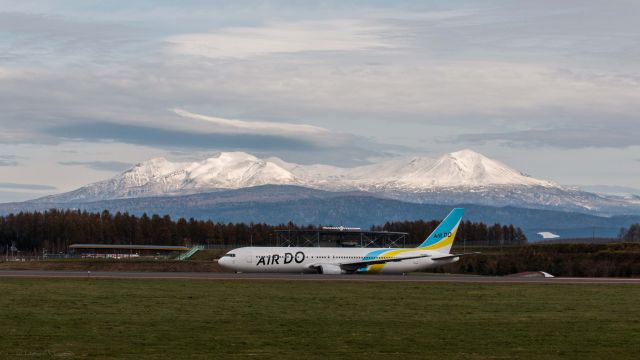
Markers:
(442, 237)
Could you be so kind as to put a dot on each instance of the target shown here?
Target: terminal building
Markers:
(110, 251)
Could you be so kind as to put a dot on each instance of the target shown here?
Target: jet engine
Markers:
(330, 269)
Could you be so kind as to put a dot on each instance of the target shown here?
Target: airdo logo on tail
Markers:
(441, 238)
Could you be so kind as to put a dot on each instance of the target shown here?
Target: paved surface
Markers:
(311, 277)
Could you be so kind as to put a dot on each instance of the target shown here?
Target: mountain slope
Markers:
(460, 177)
(464, 168)
(237, 170)
(281, 204)
(159, 176)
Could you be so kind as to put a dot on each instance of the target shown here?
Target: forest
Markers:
(632, 234)
(55, 230)
(473, 233)
(620, 259)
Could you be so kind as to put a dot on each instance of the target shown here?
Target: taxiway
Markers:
(425, 278)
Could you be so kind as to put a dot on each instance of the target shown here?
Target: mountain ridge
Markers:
(234, 170)
(276, 204)
(463, 176)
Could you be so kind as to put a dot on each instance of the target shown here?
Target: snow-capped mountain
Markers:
(234, 170)
(229, 170)
(461, 169)
(459, 177)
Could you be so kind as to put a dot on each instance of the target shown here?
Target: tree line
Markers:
(630, 235)
(613, 259)
(472, 233)
(55, 230)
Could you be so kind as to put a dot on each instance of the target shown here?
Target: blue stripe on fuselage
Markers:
(371, 256)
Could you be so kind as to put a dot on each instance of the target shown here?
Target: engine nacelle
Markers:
(330, 269)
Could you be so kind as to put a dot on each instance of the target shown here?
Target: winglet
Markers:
(441, 238)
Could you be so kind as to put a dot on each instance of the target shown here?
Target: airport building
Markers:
(340, 237)
(110, 251)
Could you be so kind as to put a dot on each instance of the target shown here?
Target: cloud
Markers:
(168, 138)
(113, 166)
(610, 189)
(328, 90)
(452, 89)
(587, 133)
(407, 89)
(258, 127)
(15, 196)
(17, 186)
(398, 72)
(325, 144)
(349, 150)
(436, 61)
(35, 37)
(8, 160)
(56, 26)
(274, 38)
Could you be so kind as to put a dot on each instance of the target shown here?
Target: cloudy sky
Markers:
(88, 88)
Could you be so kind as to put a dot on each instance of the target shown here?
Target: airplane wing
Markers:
(451, 256)
(350, 267)
(353, 266)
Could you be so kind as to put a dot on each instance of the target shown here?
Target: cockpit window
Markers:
(229, 255)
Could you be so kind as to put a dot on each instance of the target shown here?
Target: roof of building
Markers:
(340, 230)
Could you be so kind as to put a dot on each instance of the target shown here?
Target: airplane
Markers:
(434, 251)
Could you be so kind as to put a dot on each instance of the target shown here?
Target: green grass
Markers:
(171, 319)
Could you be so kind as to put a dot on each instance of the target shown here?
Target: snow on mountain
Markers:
(128, 184)
(227, 170)
(461, 169)
(467, 168)
(459, 177)
(230, 170)
(234, 170)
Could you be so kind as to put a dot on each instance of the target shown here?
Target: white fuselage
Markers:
(304, 259)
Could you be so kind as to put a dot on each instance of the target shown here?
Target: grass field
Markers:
(173, 319)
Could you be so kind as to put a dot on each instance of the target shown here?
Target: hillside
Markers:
(280, 204)
(459, 177)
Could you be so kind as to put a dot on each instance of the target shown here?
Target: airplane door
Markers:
(249, 259)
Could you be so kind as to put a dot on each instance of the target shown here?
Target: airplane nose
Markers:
(223, 261)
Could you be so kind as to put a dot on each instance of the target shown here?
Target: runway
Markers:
(423, 278)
